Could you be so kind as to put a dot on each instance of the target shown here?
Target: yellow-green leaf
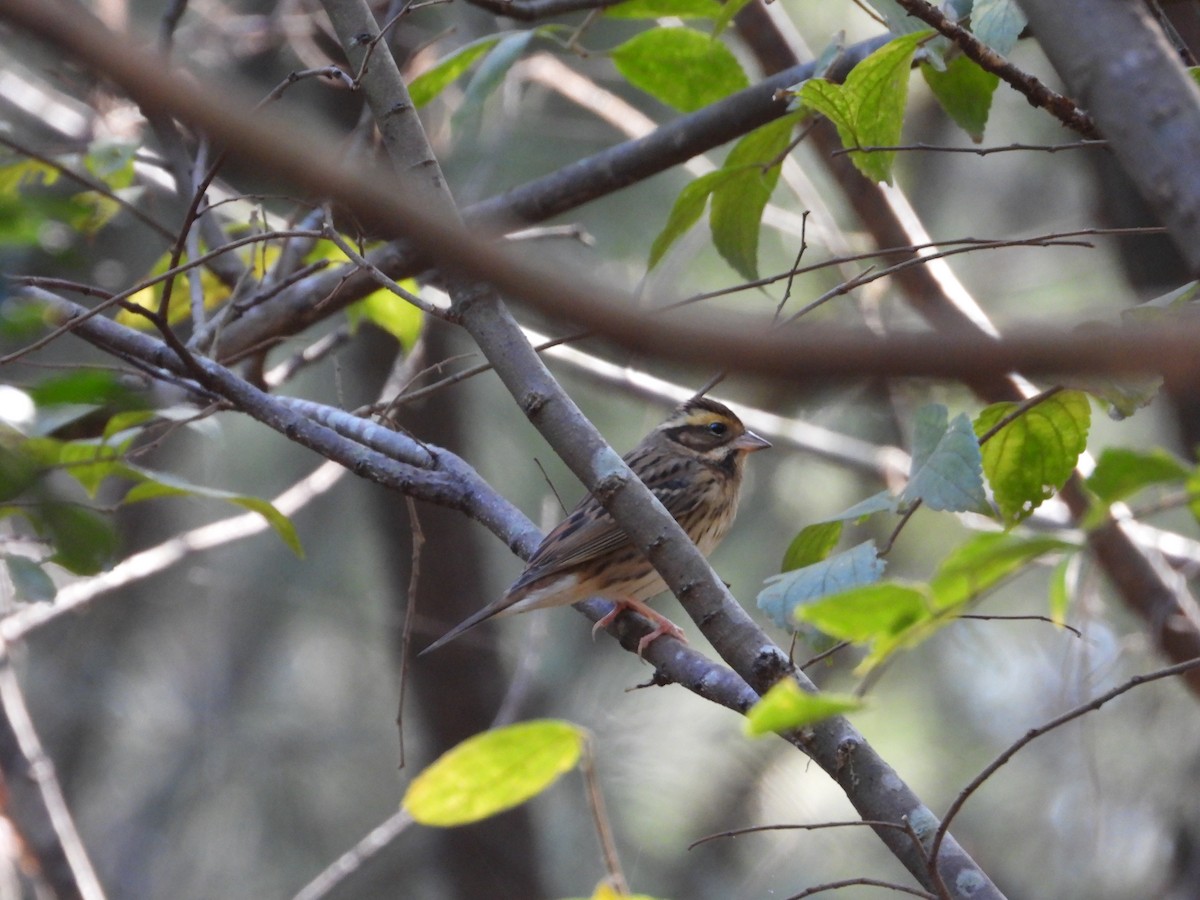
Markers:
(985, 560)
(445, 71)
(493, 771)
(787, 706)
(681, 67)
(867, 613)
(392, 313)
(1029, 459)
(868, 109)
(605, 891)
(657, 9)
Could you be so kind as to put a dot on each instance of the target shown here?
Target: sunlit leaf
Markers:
(983, 561)
(1028, 460)
(605, 891)
(866, 613)
(393, 314)
(947, 470)
(964, 91)
(812, 545)
(680, 67)
(787, 707)
(215, 291)
(868, 109)
(658, 9)
(784, 594)
(493, 771)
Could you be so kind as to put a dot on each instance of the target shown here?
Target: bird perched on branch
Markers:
(693, 463)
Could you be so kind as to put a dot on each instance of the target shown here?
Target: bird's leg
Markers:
(662, 625)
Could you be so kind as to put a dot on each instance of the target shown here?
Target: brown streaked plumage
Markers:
(693, 463)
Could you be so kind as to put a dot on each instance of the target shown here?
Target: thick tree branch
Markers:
(736, 637)
(873, 786)
(1122, 68)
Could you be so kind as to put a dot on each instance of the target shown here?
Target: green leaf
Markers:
(1193, 489)
(446, 71)
(605, 891)
(787, 707)
(730, 9)
(658, 9)
(92, 386)
(90, 462)
(738, 202)
(493, 771)
(1060, 591)
(30, 580)
(393, 314)
(487, 78)
(868, 109)
(866, 613)
(998, 23)
(964, 91)
(982, 562)
(811, 545)
(876, 503)
(686, 211)
(884, 616)
(111, 162)
(1121, 473)
(159, 484)
(1032, 457)
(947, 470)
(83, 542)
(680, 67)
(785, 593)
(18, 472)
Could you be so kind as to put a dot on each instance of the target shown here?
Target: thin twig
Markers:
(352, 860)
(608, 846)
(1034, 733)
(867, 882)
(410, 615)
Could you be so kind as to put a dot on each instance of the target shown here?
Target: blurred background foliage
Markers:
(226, 727)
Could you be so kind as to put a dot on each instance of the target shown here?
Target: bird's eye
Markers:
(717, 428)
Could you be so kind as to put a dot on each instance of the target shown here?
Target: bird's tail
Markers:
(467, 624)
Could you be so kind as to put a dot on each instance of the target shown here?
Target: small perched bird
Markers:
(693, 463)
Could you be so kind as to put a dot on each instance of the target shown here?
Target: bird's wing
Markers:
(590, 532)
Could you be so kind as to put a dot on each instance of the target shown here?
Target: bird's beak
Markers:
(750, 442)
